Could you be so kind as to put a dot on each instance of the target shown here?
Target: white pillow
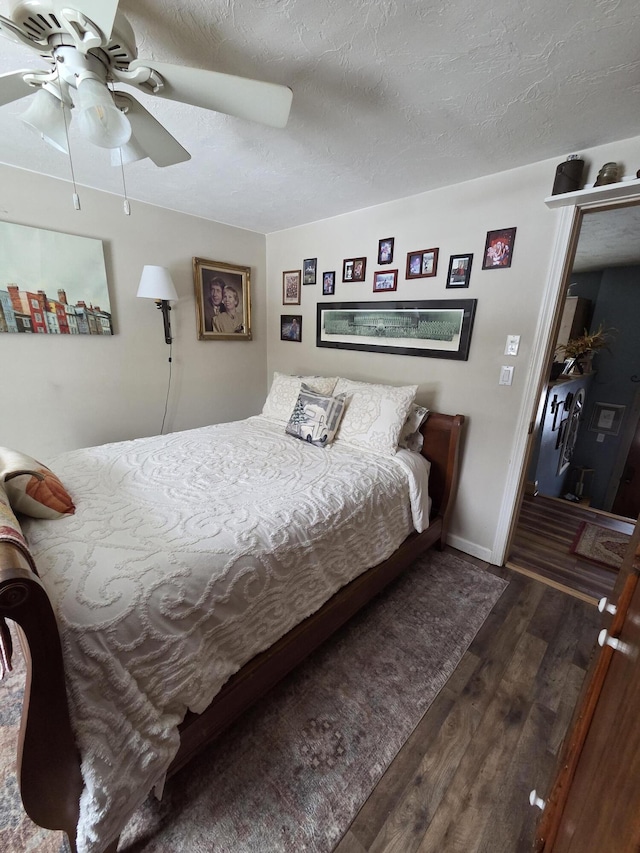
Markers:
(410, 437)
(284, 392)
(315, 417)
(374, 414)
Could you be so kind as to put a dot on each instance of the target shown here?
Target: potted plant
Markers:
(578, 352)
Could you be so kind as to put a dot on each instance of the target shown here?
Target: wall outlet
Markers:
(513, 345)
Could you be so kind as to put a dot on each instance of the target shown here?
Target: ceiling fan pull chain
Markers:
(126, 206)
(76, 197)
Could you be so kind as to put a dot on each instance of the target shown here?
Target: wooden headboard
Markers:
(441, 447)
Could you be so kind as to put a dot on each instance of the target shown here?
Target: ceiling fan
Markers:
(90, 47)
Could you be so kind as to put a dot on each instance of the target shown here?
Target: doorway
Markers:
(579, 458)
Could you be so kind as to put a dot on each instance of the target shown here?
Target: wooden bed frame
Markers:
(48, 760)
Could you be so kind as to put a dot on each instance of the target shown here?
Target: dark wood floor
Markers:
(461, 782)
(546, 530)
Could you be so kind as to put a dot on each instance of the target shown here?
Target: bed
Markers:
(197, 570)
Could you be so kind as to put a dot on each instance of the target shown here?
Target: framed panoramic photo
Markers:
(291, 287)
(423, 263)
(436, 328)
(459, 270)
(309, 266)
(328, 283)
(223, 301)
(291, 327)
(385, 281)
(498, 250)
(385, 250)
(354, 269)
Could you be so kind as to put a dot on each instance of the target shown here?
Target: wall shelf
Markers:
(592, 195)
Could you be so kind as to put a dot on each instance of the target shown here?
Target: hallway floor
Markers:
(541, 546)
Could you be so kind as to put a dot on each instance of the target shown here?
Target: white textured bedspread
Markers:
(189, 554)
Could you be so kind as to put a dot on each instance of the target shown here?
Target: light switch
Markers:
(600, 437)
(513, 345)
(506, 375)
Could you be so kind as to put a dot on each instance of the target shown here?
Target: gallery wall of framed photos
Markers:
(372, 327)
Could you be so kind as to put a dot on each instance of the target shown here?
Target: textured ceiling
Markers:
(390, 98)
(608, 238)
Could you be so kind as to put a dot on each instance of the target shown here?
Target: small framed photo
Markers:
(423, 263)
(328, 283)
(385, 281)
(606, 418)
(459, 270)
(354, 269)
(385, 250)
(498, 250)
(291, 287)
(223, 301)
(291, 327)
(309, 266)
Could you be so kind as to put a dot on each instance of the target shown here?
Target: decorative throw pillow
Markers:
(32, 488)
(374, 414)
(411, 438)
(284, 393)
(315, 417)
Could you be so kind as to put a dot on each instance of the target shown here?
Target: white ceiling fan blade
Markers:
(267, 103)
(13, 87)
(157, 143)
(101, 12)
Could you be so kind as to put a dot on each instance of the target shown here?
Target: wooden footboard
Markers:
(48, 761)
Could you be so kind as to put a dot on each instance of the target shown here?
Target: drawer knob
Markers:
(605, 639)
(535, 800)
(605, 607)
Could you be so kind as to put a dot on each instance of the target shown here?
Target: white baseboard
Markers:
(469, 548)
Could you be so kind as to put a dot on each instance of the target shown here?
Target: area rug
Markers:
(291, 775)
(600, 544)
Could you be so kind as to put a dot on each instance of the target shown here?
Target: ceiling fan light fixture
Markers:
(44, 115)
(97, 117)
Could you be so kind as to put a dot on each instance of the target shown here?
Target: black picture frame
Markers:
(459, 273)
(354, 269)
(291, 327)
(443, 327)
(385, 250)
(328, 283)
(498, 249)
(309, 267)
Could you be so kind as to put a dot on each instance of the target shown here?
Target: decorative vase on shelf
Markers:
(608, 174)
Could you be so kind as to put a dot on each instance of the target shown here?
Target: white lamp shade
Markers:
(156, 283)
(97, 117)
(130, 152)
(44, 115)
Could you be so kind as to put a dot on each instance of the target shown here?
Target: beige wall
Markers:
(455, 219)
(63, 392)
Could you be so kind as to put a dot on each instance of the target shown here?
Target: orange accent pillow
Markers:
(32, 488)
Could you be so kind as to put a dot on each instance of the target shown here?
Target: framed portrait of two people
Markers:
(223, 301)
